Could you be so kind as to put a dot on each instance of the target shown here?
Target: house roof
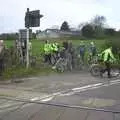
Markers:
(53, 30)
(77, 32)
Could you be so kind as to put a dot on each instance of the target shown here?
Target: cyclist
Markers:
(2, 47)
(82, 50)
(118, 53)
(92, 49)
(71, 55)
(65, 45)
(107, 57)
(54, 52)
(61, 54)
(47, 51)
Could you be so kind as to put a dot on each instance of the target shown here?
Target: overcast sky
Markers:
(12, 12)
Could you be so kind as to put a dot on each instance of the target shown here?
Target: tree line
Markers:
(95, 28)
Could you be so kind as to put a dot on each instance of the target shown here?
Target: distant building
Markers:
(48, 33)
(55, 33)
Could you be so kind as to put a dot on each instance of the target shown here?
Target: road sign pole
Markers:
(27, 49)
(32, 19)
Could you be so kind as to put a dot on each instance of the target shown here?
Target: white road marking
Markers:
(90, 87)
(67, 94)
(115, 81)
(47, 99)
(75, 90)
(35, 98)
(57, 93)
(86, 87)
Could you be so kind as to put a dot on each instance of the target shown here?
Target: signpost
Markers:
(27, 49)
(32, 19)
(23, 44)
(23, 34)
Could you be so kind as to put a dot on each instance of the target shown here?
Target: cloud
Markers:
(12, 12)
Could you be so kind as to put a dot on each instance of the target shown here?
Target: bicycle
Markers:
(78, 63)
(54, 58)
(91, 59)
(95, 70)
(63, 63)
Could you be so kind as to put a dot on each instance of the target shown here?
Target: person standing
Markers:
(65, 45)
(47, 52)
(82, 50)
(1, 56)
(92, 49)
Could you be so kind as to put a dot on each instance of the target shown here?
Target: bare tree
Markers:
(98, 21)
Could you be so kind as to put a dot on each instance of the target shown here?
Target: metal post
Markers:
(27, 49)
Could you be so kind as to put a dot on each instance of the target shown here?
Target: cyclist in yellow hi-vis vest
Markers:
(107, 57)
(47, 52)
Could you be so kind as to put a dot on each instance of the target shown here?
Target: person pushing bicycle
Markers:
(107, 57)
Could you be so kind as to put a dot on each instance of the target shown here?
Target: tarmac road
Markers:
(78, 97)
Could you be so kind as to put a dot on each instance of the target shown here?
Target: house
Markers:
(49, 33)
(55, 33)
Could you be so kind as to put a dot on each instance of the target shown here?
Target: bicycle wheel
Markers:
(60, 68)
(95, 70)
(59, 65)
(115, 72)
(79, 64)
(53, 59)
(89, 60)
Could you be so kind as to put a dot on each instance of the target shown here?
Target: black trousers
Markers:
(82, 55)
(108, 69)
(47, 58)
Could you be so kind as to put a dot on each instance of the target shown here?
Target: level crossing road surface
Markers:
(93, 99)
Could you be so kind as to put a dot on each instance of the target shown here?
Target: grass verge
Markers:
(22, 72)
